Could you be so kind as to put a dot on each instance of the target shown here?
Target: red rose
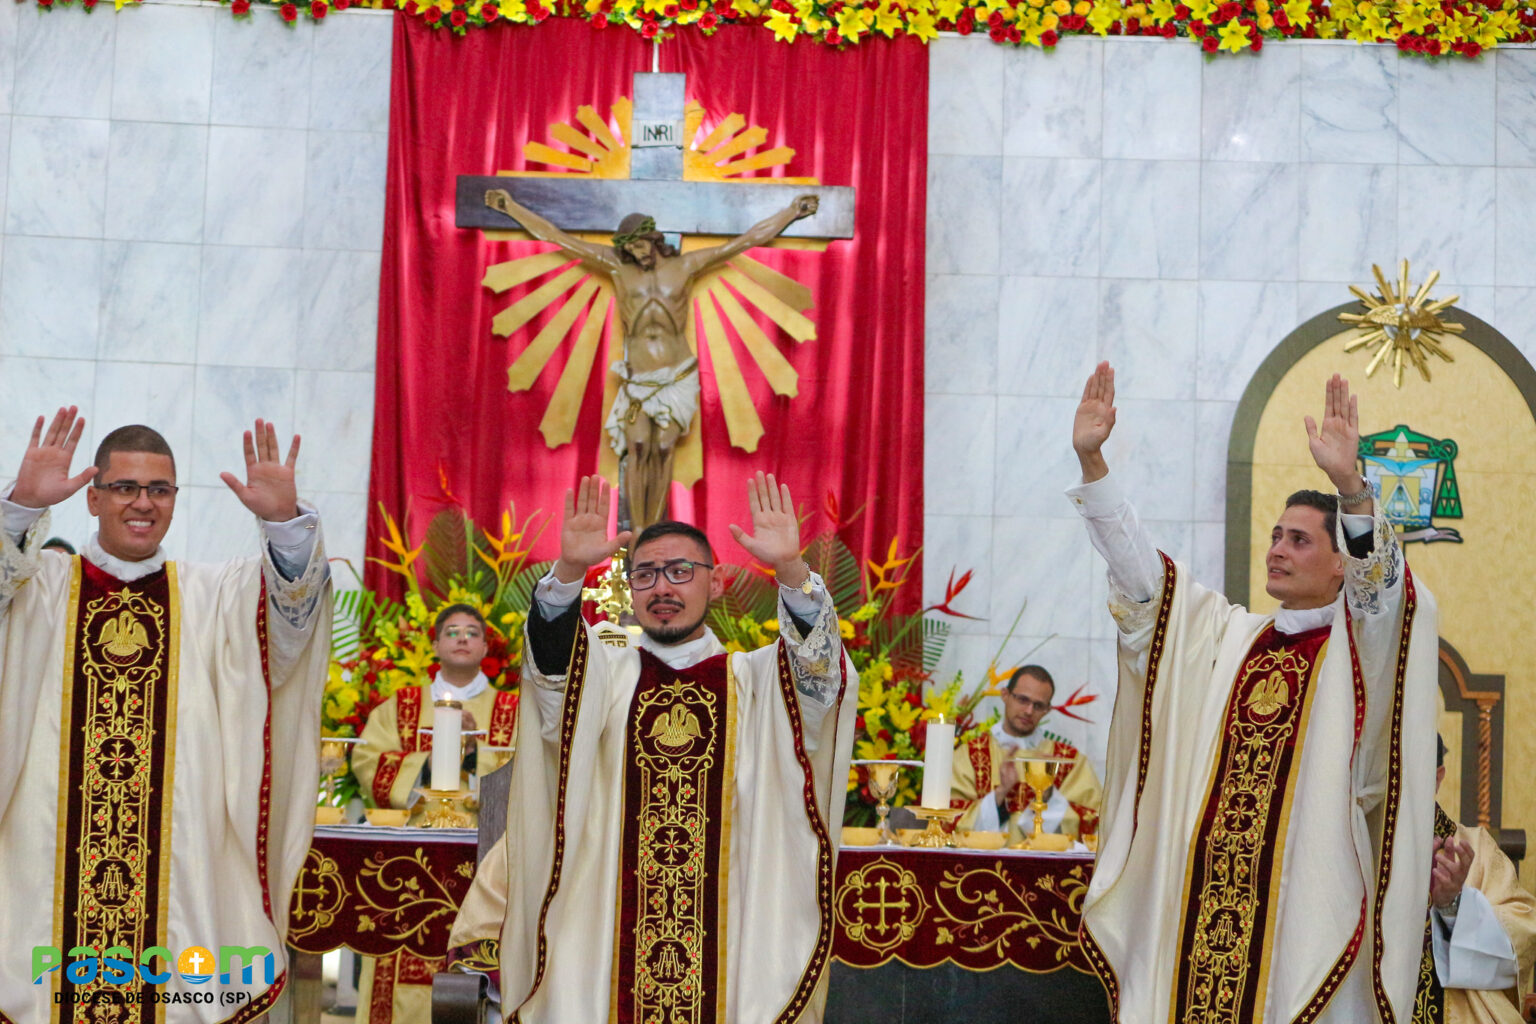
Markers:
(458, 18)
(997, 33)
(289, 12)
(1258, 44)
(433, 15)
(1048, 38)
(966, 22)
(410, 7)
(670, 10)
(237, 8)
(834, 38)
(491, 667)
(317, 9)
(1433, 48)
(490, 12)
(433, 669)
(649, 30)
(1014, 35)
(1180, 12)
(1132, 25)
(995, 19)
(599, 21)
(858, 723)
(45, 3)
(1170, 30)
(709, 21)
(1208, 44)
(688, 5)
(1196, 28)
(1472, 49)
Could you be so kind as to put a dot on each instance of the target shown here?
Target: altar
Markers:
(917, 931)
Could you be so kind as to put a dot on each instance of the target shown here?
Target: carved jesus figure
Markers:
(658, 378)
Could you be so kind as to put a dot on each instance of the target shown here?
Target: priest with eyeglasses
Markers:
(158, 727)
(672, 826)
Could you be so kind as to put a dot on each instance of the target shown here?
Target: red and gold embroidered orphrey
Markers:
(116, 764)
(675, 854)
(979, 751)
(407, 725)
(1236, 854)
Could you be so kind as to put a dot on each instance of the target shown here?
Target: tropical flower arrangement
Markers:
(379, 645)
(894, 653)
(1429, 28)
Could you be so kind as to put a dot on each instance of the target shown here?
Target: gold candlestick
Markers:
(442, 809)
(934, 836)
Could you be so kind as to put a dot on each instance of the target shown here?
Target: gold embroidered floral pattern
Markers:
(114, 813)
(677, 740)
(1238, 847)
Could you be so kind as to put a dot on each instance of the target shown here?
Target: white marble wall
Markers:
(192, 214)
(1128, 199)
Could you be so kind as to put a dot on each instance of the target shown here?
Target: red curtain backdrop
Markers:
(446, 430)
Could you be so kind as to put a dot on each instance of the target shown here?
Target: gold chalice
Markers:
(883, 779)
(1040, 775)
(333, 757)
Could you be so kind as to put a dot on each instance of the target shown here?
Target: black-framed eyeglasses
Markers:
(127, 491)
(677, 571)
(1040, 706)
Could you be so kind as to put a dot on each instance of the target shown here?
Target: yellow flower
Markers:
(922, 25)
(784, 30)
(1049, 22)
(1061, 7)
(850, 23)
(1266, 22)
(887, 21)
(948, 10)
(1299, 12)
(845, 629)
(1082, 7)
(1234, 36)
(1201, 9)
(1104, 15)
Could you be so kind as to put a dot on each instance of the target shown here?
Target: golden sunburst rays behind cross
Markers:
(724, 301)
(1405, 328)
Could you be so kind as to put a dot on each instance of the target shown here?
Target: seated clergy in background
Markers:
(1481, 937)
(1269, 789)
(159, 726)
(986, 778)
(392, 762)
(671, 830)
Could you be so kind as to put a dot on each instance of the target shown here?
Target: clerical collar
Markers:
(442, 689)
(684, 655)
(1301, 620)
(114, 566)
(1008, 739)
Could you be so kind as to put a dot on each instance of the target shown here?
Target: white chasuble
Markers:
(158, 773)
(1269, 803)
(788, 711)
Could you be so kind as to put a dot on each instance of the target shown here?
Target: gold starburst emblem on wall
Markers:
(1402, 329)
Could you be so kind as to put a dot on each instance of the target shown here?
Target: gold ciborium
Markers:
(883, 779)
(934, 836)
(1040, 775)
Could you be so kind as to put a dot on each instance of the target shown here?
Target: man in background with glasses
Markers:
(986, 778)
(675, 809)
(158, 722)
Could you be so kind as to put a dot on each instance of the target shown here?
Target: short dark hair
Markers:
(1036, 671)
(135, 437)
(448, 611)
(1440, 751)
(672, 528)
(60, 543)
(1327, 504)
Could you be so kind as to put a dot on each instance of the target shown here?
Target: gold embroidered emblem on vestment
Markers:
(673, 923)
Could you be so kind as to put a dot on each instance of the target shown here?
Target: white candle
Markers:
(938, 764)
(447, 733)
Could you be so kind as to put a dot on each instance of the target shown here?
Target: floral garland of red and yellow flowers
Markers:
(1424, 27)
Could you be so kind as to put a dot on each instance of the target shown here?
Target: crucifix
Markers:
(654, 283)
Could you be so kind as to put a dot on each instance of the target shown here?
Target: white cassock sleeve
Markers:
(1471, 947)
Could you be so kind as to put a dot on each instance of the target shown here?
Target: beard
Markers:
(672, 632)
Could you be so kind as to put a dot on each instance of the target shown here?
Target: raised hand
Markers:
(43, 480)
(584, 540)
(1336, 444)
(269, 489)
(1094, 421)
(1453, 860)
(775, 537)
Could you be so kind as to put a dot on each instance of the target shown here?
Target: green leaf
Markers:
(839, 568)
